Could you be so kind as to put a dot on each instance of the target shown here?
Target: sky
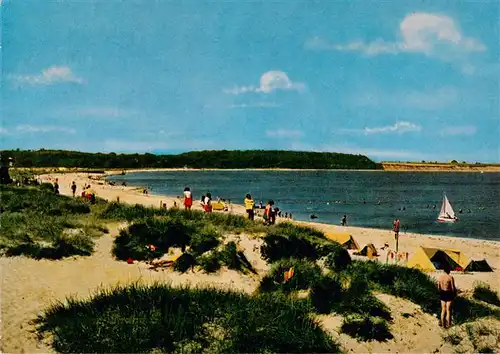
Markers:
(394, 80)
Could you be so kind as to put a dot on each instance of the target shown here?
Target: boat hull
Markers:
(444, 220)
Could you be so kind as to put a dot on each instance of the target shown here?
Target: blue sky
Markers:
(394, 80)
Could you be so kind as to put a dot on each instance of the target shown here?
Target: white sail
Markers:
(446, 210)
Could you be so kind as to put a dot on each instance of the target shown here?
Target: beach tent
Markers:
(368, 250)
(431, 259)
(344, 239)
(218, 206)
(478, 266)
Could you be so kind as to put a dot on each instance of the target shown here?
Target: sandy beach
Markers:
(29, 286)
(409, 242)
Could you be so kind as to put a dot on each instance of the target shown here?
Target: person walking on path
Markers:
(249, 206)
(73, 188)
(447, 293)
(395, 228)
(188, 198)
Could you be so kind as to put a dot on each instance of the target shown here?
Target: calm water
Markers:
(370, 199)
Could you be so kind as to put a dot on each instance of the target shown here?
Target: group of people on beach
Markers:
(270, 211)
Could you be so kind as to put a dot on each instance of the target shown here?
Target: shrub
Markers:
(185, 262)
(483, 292)
(160, 318)
(62, 246)
(306, 274)
(234, 258)
(465, 310)
(404, 282)
(204, 240)
(289, 241)
(366, 328)
(357, 299)
(325, 293)
(209, 262)
(276, 247)
(161, 233)
(338, 259)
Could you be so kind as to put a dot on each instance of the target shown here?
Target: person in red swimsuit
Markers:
(188, 198)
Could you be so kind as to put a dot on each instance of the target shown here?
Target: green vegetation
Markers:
(40, 224)
(286, 240)
(483, 292)
(181, 320)
(366, 328)
(306, 274)
(194, 159)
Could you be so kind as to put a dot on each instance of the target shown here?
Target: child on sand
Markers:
(188, 198)
(447, 293)
(207, 203)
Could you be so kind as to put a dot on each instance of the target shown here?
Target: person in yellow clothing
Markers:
(249, 205)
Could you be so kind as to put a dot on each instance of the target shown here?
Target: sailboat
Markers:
(446, 214)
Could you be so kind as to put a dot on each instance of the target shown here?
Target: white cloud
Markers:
(269, 82)
(283, 133)
(3, 131)
(431, 34)
(398, 127)
(43, 129)
(255, 105)
(49, 76)
(466, 130)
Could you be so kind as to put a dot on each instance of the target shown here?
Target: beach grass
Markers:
(483, 292)
(306, 274)
(366, 328)
(160, 318)
(221, 221)
(286, 240)
(41, 224)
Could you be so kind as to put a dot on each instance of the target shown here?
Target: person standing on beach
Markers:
(73, 188)
(344, 220)
(188, 199)
(56, 186)
(207, 203)
(249, 205)
(395, 228)
(447, 293)
(268, 212)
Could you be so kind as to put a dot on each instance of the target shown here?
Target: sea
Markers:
(368, 198)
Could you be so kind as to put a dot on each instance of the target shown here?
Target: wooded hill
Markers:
(196, 159)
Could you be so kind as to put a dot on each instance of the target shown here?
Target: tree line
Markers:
(193, 159)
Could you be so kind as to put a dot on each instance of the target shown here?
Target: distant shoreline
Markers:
(119, 172)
